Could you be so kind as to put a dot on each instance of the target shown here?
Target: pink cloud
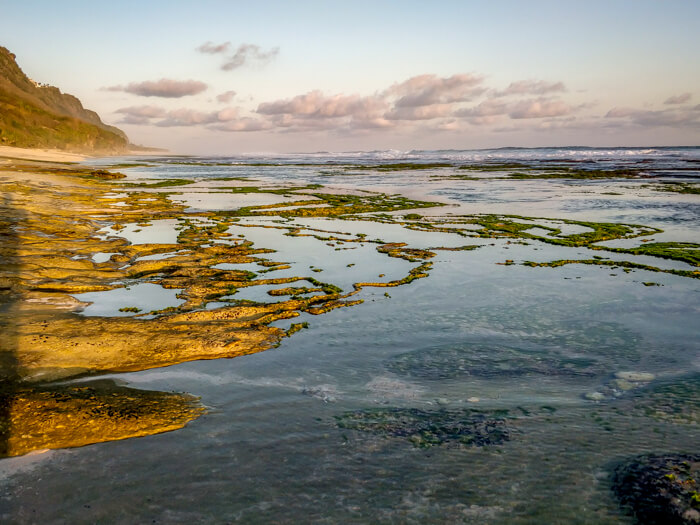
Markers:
(673, 117)
(487, 108)
(425, 90)
(225, 97)
(420, 112)
(213, 49)
(244, 124)
(165, 88)
(531, 87)
(539, 108)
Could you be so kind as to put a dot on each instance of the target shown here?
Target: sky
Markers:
(227, 77)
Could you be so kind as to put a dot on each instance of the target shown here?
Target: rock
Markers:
(595, 396)
(623, 384)
(660, 489)
(635, 377)
(425, 428)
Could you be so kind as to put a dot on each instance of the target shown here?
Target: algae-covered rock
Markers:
(489, 360)
(430, 428)
(660, 489)
(676, 401)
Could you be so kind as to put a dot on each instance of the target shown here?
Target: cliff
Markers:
(40, 116)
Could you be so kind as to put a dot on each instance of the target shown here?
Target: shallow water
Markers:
(273, 448)
(144, 297)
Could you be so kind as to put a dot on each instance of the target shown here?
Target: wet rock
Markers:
(326, 393)
(635, 377)
(660, 489)
(595, 396)
(622, 384)
(431, 428)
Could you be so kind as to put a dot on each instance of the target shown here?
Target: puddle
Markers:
(158, 232)
(229, 201)
(146, 297)
(101, 257)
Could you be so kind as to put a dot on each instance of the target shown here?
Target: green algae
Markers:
(688, 252)
(694, 274)
(425, 429)
(160, 184)
(575, 173)
(679, 187)
(296, 327)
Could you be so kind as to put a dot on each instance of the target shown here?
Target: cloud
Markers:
(420, 112)
(425, 90)
(539, 108)
(249, 53)
(212, 49)
(423, 102)
(315, 110)
(487, 108)
(621, 112)
(244, 124)
(488, 111)
(531, 87)
(226, 96)
(165, 88)
(314, 103)
(678, 99)
(673, 117)
(144, 115)
(140, 115)
(191, 117)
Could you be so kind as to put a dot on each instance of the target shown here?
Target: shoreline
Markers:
(59, 156)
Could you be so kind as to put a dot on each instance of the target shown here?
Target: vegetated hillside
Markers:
(40, 116)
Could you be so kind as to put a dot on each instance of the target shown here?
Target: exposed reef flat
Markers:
(62, 237)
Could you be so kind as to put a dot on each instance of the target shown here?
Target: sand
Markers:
(49, 155)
